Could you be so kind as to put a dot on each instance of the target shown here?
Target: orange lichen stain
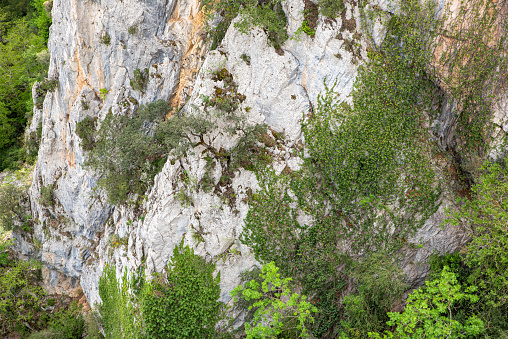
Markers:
(81, 79)
(70, 157)
(191, 51)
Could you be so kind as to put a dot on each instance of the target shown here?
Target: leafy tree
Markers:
(487, 213)
(20, 296)
(279, 310)
(126, 153)
(182, 301)
(429, 312)
(42, 19)
(119, 306)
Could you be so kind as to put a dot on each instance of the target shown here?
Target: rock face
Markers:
(97, 45)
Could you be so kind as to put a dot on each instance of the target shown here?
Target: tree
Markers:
(429, 312)
(279, 309)
(183, 301)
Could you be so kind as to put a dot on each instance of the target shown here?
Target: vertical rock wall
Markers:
(166, 38)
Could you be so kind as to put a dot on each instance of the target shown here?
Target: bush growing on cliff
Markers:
(181, 302)
(12, 211)
(86, 130)
(127, 152)
(267, 15)
(119, 305)
(331, 8)
(278, 310)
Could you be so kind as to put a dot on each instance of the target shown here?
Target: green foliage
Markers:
(47, 197)
(179, 303)
(47, 85)
(119, 305)
(428, 312)
(182, 301)
(483, 262)
(133, 29)
(380, 283)
(20, 296)
(245, 58)
(32, 143)
(366, 181)
(103, 92)
(268, 16)
(128, 151)
(105, 39)
(67, 324)
(305, 29)
(84, 105)
(228, 10)
(226, 99)
(276, 303)
(12, 211)
(92, 325)
(140, 80)
(42, 19)
(487, 213)
(331, 8)
(86, 130)
(23, 60)
(251, 150)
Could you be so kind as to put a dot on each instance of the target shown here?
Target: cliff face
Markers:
(166, 37)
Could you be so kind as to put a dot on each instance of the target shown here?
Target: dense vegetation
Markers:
(182, 302)
(24, 59)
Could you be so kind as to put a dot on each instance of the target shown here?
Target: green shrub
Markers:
(179, 303)
(105, 39)
(47, 197)
(103, 92)
(429, 312)
(20, 296)
(84, 105)
(86, 130)
(119, 305)
(268, 16)
(32, 143)
(92, 325)
(133, 29)
(379, 284)
(140, 80)
(279, 310)
(331, 8)
(48, 85)
(68, 323)
(127, 152)
(182, 302)
(484, 262)
(12, 212)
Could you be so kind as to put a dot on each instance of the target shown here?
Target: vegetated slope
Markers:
(24, 59)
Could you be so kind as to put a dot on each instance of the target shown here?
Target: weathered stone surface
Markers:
(80, 231)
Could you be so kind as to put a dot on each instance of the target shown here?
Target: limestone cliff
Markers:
(98, 45)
